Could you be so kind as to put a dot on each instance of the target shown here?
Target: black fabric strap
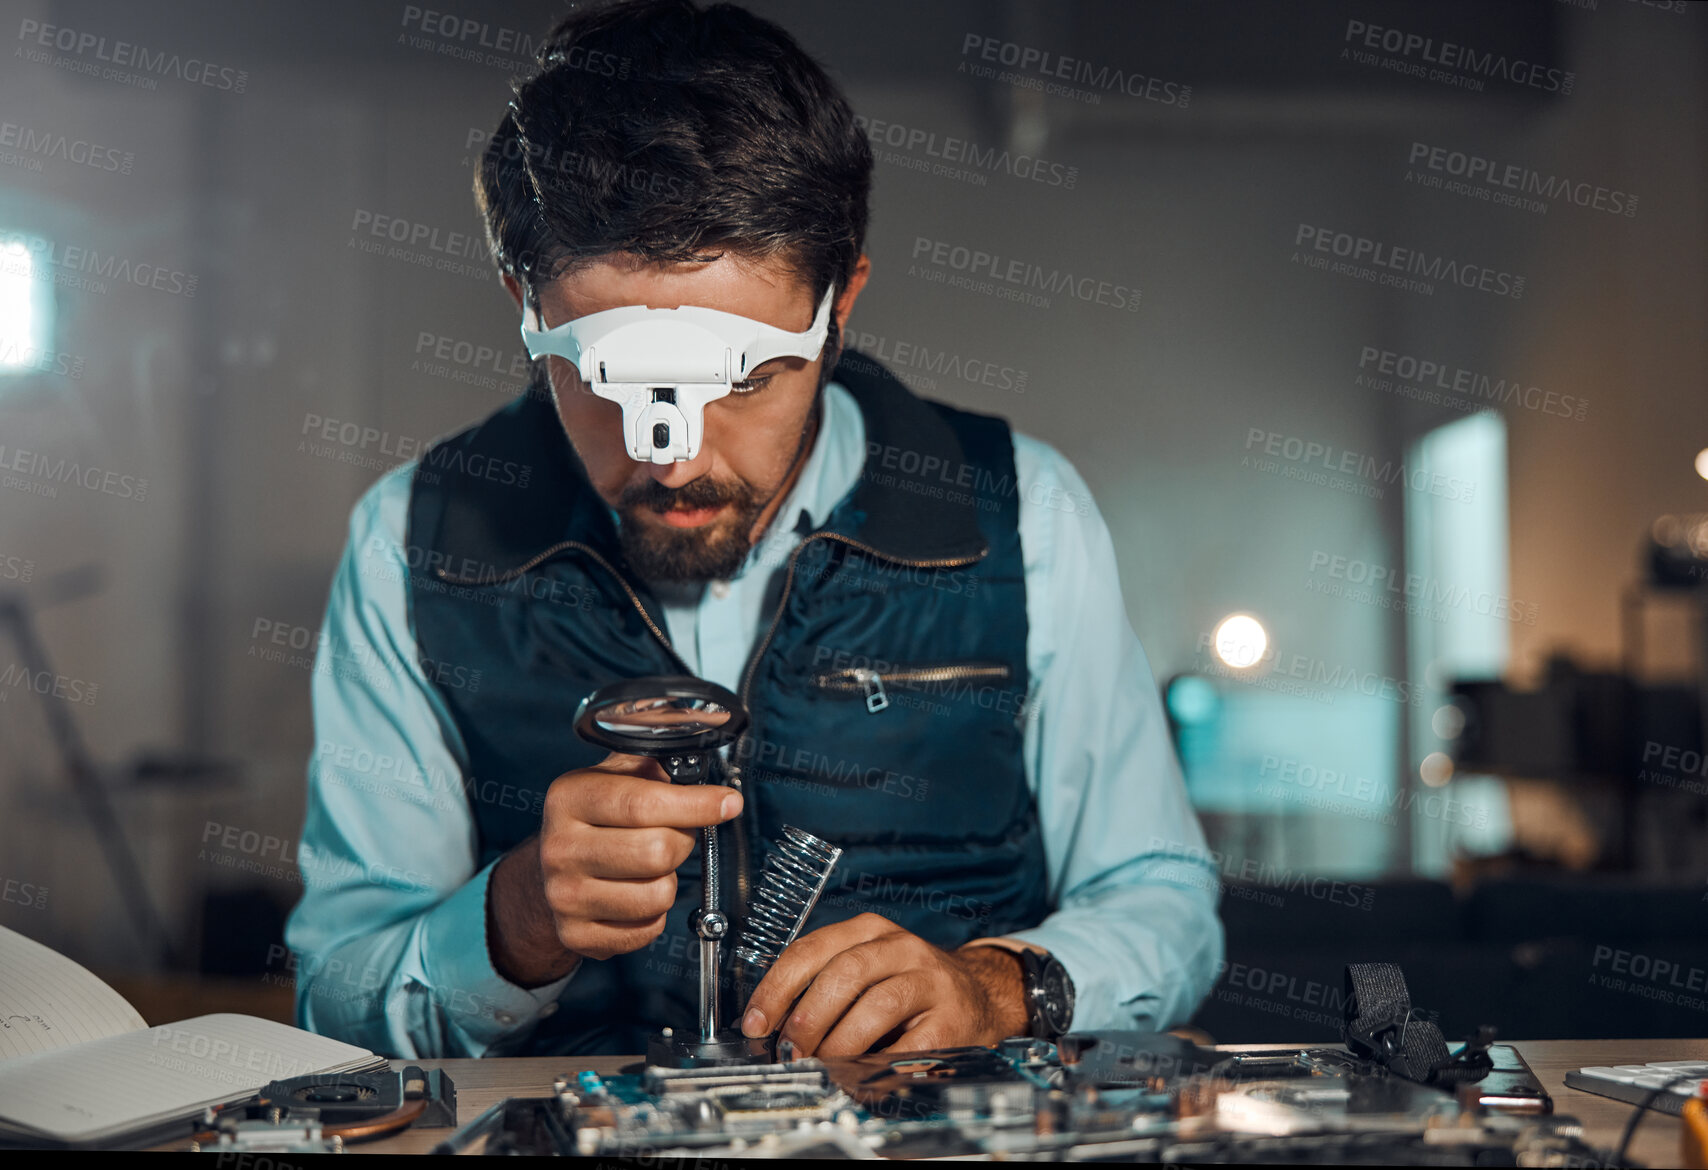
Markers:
(1381, 1025)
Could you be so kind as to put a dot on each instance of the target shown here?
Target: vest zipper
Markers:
(743, 877)
(561, 546)
(871, 682)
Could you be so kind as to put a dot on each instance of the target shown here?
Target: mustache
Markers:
(699, 493)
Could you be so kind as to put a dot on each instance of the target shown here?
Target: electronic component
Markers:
(361, 1105)
(273, 1134)
(322, 1112)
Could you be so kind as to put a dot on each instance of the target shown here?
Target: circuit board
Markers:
(1096, 1097)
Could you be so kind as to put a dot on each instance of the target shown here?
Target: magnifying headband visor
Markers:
(663, 365)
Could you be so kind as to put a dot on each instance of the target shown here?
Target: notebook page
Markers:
(47, 1001)
(168, 1071)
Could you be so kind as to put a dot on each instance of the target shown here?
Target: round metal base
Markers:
(668, 1049)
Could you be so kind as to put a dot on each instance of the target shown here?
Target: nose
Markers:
(674, 475)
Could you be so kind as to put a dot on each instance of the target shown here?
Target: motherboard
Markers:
(1114, 1096)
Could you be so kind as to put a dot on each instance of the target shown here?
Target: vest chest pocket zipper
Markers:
(871, 683)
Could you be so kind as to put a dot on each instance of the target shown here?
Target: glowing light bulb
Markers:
(1240, 641)
(1448, 721)
(1436, 769)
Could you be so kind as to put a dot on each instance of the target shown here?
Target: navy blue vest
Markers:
(521, 604)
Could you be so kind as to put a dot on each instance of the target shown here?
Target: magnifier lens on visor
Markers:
(663, 365)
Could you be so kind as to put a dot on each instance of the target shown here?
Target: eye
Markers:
(751, 385)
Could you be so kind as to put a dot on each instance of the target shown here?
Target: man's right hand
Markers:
(600, 877)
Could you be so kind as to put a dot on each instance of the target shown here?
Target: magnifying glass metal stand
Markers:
(681, 722)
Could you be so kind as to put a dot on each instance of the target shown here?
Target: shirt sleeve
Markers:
(1135, 923)
(389, 939)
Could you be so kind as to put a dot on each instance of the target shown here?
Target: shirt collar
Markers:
(831, 471)
(832, 468)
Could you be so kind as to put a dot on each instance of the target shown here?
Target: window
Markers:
(1456, 626)
(26, 308)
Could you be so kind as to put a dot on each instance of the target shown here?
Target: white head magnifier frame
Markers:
(663, 365)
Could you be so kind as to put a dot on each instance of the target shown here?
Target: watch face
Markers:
(1056, 1002)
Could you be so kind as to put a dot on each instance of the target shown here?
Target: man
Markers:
(481, 882)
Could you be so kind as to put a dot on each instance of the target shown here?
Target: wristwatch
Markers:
(1049, 995)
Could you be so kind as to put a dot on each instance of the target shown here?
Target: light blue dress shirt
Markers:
(389, 940)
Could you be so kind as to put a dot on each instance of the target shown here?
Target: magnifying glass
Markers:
(681, 722)
(678, 720)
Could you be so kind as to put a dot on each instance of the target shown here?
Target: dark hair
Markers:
(674, 133)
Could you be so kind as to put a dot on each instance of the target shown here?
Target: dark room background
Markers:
(1379, 328)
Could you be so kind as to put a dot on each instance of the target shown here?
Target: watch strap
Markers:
(1032, 963)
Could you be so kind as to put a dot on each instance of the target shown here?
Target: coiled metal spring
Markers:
(790, 883)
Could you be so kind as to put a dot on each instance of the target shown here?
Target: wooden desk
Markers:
(481, 1083)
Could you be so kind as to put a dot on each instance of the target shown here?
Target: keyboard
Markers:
(1632, 1083)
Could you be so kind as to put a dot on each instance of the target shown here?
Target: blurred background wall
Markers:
(1431, 493)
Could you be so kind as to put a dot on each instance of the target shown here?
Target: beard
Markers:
(715, 551)
(711, 552)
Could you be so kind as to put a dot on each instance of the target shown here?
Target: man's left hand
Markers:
(866, 980)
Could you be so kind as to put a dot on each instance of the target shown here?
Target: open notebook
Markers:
(79, 1066)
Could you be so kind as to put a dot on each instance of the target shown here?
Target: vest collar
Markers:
(515, 492)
